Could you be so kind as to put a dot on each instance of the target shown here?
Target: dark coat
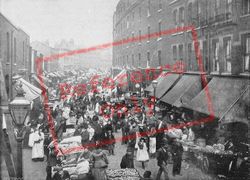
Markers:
(162, 156)
(127, 161)
(85, 137)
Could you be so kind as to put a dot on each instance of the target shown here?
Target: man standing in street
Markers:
(160, 133)
(162, 157)
(85, 135)
(177, 151)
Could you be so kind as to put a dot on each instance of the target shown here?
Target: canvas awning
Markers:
(222, 91)
(31, 92)
(122, 73)
(165, 84)
(150, 87)
(45, 79)
(52, 74)
(40, 83)
(239, 110)
(174, 96)
(122, 80)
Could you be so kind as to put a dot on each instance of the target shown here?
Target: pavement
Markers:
(33, 170)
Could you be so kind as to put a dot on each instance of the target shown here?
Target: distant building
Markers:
(92, 59)
(40, 50)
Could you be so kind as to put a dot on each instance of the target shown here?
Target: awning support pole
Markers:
(231, 106)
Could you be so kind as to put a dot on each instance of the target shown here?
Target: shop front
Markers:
(224, 146)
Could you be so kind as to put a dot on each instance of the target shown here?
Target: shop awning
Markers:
(74, 72)
(52, 74)
(120, 74)
(150, 87)
(122, 80)
(31, 92)
(165, 84)
(57, 74)
(174, 96)
(223, 92)
(45, 79)
(239, 110)
(40, 83)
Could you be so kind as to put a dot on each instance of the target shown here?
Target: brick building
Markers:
(223, 31)
(14, 51)
(223, 28)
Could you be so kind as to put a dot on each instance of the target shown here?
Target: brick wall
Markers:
(14, 47)
(212, 19)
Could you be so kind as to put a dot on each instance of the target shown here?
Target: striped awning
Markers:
(221, 93)
(174, 96)
(165, 84)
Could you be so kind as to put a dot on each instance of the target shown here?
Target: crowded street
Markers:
(38, 168)
(125, 89)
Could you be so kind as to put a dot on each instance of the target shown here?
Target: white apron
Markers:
(37, 149)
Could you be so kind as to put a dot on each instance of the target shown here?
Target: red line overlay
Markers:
(39, 62)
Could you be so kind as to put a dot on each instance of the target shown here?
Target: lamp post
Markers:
(138, 87)
(19, 109)
(154, 84)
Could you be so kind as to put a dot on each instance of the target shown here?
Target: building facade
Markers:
(14, 51)
(222, 26)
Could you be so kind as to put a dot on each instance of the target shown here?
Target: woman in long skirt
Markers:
(152, 142)
(142, 153)
(100, 163)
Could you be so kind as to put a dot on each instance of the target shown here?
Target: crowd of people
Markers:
(95, 117)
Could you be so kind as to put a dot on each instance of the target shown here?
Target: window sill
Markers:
(247, 74)
(226, 73)
(215, 73)
(245, 15)
(195, 72)
(179, 33)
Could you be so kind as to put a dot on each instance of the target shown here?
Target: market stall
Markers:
(122, 174)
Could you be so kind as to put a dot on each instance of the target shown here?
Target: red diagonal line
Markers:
(116, 43)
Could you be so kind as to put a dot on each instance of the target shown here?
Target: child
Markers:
(142, 153)
(111, 142)
(147, 175)
(127, 160)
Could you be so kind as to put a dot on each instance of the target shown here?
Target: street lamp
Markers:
(19, 109)
(154, 84)
(138, 87)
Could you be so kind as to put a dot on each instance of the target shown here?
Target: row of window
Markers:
(196, 12)
(125, 60)
(226, 56)
(141, 36)
(130, 19)
(178, 54)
